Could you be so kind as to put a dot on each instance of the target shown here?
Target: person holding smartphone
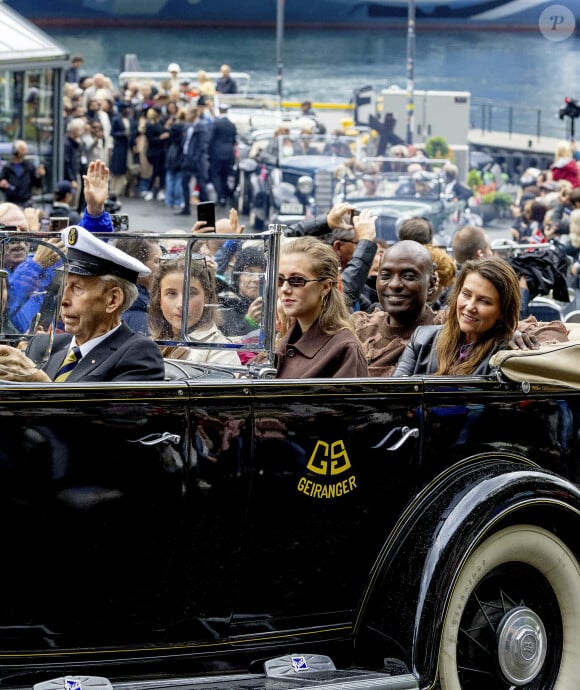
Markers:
(352, 238)
(242, 307)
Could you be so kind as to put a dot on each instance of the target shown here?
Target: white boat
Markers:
(436, 14)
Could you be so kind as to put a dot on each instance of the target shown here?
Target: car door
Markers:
(93, 482)
(334, 463)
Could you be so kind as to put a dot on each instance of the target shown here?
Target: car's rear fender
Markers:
(409, 589)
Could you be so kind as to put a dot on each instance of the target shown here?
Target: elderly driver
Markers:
(96, 345)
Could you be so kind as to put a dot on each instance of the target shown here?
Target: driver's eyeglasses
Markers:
(297, 281)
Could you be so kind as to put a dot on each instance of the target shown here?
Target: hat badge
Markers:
(72, 237)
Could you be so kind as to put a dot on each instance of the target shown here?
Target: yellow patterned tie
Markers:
(70, 362)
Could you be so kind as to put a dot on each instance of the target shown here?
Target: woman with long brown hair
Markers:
(483, 316)
(166, 307)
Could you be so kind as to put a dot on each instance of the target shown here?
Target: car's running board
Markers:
(293, 672)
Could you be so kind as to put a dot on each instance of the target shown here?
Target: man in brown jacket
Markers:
(405, 281)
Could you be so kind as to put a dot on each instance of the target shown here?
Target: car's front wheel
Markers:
(514, 615)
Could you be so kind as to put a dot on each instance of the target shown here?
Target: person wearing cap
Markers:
(173, 81)
(96, 345)
(61, 204)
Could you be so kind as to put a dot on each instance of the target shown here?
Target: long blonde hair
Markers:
(324, 264)
(563, 150)
(506, 282)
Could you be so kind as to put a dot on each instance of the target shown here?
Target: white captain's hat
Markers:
(87, 255)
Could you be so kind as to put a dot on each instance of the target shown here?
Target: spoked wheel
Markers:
(514, 616)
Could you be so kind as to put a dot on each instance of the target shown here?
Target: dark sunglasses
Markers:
(297, 281)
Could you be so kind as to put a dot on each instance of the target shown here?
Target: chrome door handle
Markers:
(388, 436)
(406, 432)
(155, 439)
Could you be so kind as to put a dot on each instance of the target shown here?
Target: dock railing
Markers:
(493, 116)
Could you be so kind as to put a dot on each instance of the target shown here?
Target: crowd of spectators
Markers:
(164, 141)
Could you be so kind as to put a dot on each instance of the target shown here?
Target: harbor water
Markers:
(524, 70)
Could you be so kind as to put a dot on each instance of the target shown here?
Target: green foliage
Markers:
(437, 147)
(474, 179)
(501, 199)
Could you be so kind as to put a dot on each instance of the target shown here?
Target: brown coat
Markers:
(317, 355)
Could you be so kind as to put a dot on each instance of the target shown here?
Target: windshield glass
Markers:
(209, 298)
(30, 285)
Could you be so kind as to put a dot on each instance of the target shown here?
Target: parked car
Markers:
(291, 176)
(393, 194)
(226, 529)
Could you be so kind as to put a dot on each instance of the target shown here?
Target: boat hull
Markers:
(379, 14)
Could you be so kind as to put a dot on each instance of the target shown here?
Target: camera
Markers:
(112, 205)
(571, 109)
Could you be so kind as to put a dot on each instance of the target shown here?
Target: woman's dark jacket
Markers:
(420, 354)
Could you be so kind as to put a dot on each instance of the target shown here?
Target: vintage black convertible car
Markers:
(223, 528)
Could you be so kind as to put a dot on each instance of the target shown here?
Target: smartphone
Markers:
(120, 222)
(353, 213)
(56, 223)
(206, 211)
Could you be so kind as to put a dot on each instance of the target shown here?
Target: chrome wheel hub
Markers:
(521, 645)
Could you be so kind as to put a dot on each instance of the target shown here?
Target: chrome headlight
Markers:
(305, 184)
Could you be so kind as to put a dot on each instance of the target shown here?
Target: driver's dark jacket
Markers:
(420, 355)
(123, 356)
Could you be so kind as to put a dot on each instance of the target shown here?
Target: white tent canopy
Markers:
(24, 45)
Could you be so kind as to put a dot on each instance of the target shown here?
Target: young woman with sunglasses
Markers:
(316, 335)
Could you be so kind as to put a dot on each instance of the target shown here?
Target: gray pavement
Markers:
(154, 216)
